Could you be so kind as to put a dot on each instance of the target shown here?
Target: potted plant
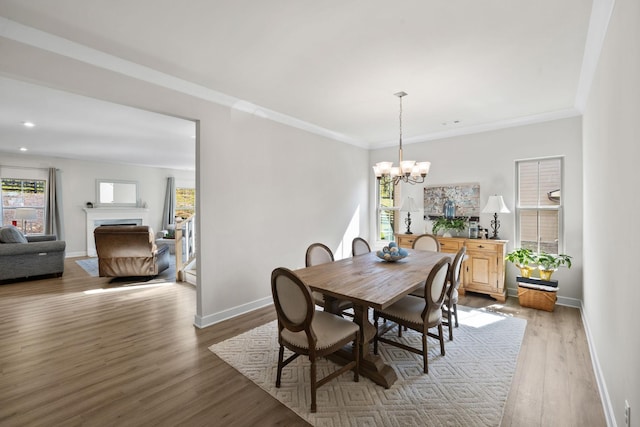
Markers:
(548, 263)
(448, 224)
(522, 257)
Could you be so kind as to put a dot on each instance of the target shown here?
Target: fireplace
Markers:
(97, 217)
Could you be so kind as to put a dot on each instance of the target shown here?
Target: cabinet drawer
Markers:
(405, 241)
(484, 246)
(450, 245)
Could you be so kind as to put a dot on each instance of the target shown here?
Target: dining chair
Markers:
(450, 306)
(318, 253)
(426, 242)
(305, 331)
(359, 246)
(418, 314)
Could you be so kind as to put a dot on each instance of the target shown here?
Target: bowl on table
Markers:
(392, 253)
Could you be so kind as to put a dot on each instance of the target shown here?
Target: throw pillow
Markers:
(11, 234)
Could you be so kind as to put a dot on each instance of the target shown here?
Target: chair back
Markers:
(117, 241)
(426, 242)
(360, 246)
(434, 290)
(292, 298)
(317, 253)
(456, 268)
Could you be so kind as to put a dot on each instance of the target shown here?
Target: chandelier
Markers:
(408, 170)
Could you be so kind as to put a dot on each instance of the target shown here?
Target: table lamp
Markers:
(26, 214)
(495, 205)
(409, 206)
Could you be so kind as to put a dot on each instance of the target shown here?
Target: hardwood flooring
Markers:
(72, 356)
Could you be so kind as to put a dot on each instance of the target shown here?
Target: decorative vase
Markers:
(447, 233)
(546, 274)
(449, 209)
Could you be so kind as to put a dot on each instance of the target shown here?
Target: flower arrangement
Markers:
(442, 223)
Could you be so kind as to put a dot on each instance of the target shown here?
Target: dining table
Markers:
(369, 282)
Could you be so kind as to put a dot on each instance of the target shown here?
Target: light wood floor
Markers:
(134, 358)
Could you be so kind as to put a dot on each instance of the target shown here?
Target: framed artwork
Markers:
(465, 197)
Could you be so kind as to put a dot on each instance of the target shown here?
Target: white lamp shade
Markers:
(495, 204)
(26, 213)
(409, 205)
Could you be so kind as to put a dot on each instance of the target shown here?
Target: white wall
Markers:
(79, 187)
(611, 153)
(265, 190)
(489, 159)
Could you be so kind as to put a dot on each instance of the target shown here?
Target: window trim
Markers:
(42, 208)
(559, 208)
(380, 209)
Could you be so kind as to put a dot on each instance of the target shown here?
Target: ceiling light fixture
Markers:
(24, 149)
(408, 170)
(28, 124)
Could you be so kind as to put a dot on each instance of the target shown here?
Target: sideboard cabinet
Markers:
(484, 269)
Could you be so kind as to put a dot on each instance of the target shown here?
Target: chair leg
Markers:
(455, 313)
(280, 358)
(425, 359)
(441, 337)
(450, 323)
(313, 384)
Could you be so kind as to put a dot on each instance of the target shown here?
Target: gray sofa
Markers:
(40, 255)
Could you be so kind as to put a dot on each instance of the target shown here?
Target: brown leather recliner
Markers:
(129, 250)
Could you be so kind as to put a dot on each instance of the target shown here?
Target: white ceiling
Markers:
(331, 65)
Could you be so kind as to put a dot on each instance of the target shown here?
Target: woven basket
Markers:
(542, 300)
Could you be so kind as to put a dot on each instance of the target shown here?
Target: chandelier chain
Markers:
(400, 122)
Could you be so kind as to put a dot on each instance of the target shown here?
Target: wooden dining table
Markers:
(369, 282)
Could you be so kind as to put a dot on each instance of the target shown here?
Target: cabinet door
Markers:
(481, 272)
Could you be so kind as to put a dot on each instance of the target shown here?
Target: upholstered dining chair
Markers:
(426, 242)
(418, 314)
(450, 306)
(317, 254)
(359, 246)
(305, 331)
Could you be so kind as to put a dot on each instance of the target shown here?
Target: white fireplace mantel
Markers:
(112, 215)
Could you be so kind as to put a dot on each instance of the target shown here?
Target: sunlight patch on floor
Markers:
(127, 288)
(477, 318)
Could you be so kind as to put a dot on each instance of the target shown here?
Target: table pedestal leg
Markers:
(371, 366)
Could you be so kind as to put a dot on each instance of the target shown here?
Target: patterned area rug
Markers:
(467, 387)
(90, 265)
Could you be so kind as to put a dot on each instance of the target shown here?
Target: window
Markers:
(539, 204)
(385, 223)
(185, 202)
(24, 193)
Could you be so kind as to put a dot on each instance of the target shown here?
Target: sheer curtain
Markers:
(169, 211)
(54, 223)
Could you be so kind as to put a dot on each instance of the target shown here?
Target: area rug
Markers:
(466, 387)
(90, 265)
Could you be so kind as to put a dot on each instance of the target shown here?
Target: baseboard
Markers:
(212, 319)
(75, 254)
(602, 385)
(566, 301)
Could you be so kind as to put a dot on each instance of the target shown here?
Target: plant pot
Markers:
(447, 233)
(546, 274)
(525, 270)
